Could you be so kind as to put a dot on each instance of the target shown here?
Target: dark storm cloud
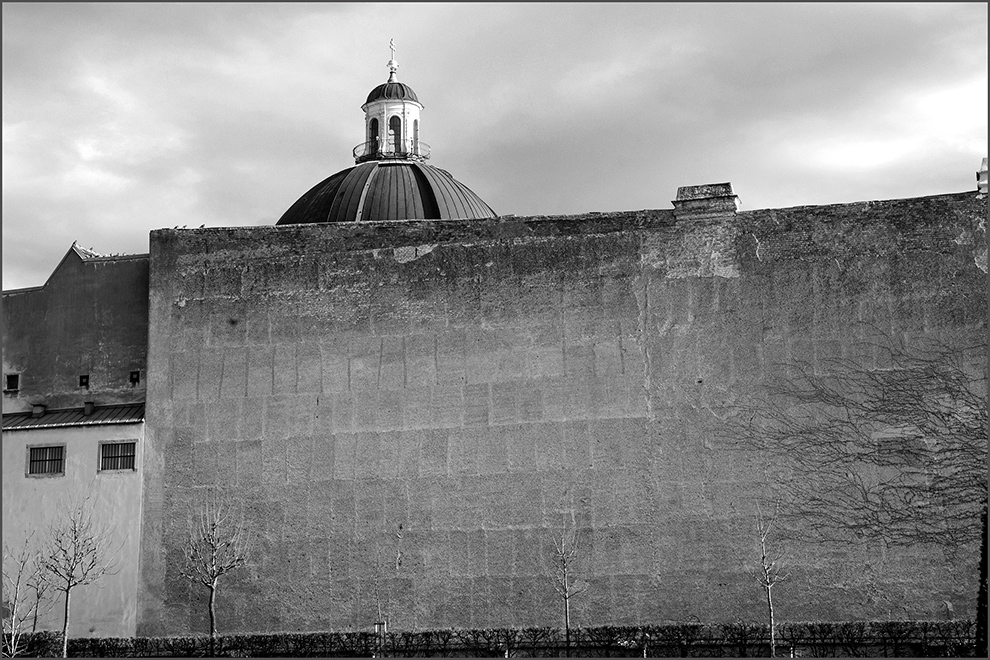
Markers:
(121, 118)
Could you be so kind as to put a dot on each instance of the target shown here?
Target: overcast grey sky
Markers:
(123, 118)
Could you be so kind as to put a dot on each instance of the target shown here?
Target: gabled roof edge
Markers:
(83, 255)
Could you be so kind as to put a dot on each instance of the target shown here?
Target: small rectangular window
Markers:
(84, 381)
(117, 455)
(46, 460)
(13, 383)
(135, 378)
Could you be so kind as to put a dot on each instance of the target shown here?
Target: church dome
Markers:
(387, 190)
(392, 91)
(390, 179)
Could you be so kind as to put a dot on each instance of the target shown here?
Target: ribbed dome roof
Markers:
(387, 190)
(392, 91)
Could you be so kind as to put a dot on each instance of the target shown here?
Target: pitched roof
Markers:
(128, 413)
(84, 255)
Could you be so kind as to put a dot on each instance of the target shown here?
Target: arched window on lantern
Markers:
(373, 145)
(395, 133)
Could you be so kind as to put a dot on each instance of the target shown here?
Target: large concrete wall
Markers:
(107, 607)
(91, 317)
(443, 393)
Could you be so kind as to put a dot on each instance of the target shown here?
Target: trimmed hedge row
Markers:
(807, 639)
(44, 644)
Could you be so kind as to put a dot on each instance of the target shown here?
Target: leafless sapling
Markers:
(768, 572)
(887, 444)
(561, 569)
(40, 585)
(218, 543)
(25, 585)
(81, 550)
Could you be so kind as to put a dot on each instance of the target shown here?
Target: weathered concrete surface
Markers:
(91, 317)
(406, 408)
(108, 607)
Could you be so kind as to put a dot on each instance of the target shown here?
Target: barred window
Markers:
(46, 460)
(117, 455)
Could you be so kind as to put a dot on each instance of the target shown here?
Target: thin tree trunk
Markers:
(65, 625)
(37, 603)
(213, 617)
(213, 611)
(773, 638)
(567, 622)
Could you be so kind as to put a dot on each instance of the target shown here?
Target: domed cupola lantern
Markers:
(390, 180)
(391, 121)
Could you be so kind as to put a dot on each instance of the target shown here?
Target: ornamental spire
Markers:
(392, 64)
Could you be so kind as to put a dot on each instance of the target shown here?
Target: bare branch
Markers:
(896, 453)
(25, 583)
(81, 550)
(218, 543)
(559, 562)
(768, 572)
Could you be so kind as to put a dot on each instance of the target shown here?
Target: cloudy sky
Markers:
(123, 118)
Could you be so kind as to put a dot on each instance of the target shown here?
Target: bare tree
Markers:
(560, 568)
(768, 572)
(25, 584)
(39, 582)
(80, 551)
(890, 447)
(896, 454)
(218, 544)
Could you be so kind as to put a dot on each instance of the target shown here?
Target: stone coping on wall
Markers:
(330, 237)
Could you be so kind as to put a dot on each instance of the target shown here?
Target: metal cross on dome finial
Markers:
(392, 64)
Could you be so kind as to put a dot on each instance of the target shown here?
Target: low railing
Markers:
(381, 149)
